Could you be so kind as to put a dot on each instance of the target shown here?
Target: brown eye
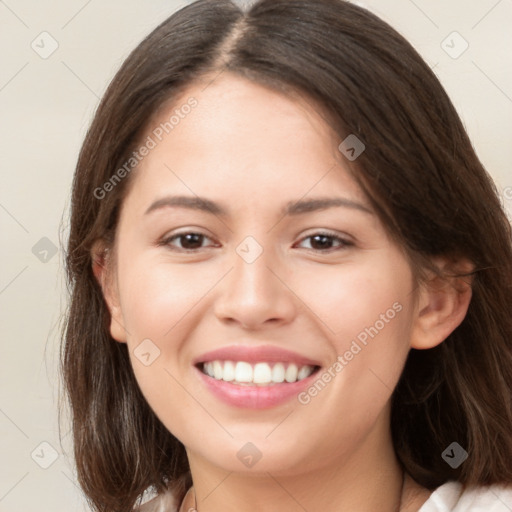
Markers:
(185, 241)
(324, 242)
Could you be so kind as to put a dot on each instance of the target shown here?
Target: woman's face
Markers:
(243, 233)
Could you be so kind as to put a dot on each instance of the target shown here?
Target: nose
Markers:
(256, 294)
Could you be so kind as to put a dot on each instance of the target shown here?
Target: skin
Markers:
(253, 150)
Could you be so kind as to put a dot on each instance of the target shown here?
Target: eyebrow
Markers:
(291, 208)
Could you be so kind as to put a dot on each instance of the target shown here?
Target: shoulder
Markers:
(165, 502)
(451, 497)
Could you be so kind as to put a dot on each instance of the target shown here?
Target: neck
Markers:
(412, 498)
(369, 479)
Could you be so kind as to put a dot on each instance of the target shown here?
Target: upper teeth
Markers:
(242, 372)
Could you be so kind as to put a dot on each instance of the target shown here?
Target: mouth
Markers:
(255, 377)
(256, 374)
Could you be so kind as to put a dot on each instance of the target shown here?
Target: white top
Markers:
(446, 498)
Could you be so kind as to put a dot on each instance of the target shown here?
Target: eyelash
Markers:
(344, 243)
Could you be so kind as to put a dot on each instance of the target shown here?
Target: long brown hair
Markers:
(419, 171)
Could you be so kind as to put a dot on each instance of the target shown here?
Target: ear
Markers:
(442, 304)
(101, 267)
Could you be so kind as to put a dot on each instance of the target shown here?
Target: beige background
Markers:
(46, 105)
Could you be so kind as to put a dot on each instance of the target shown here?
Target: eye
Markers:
(187, 241)
(324, 242)
(191, 241)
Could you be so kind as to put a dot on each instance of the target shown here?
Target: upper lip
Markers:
(254, 354)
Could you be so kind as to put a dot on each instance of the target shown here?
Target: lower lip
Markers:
(255, 397)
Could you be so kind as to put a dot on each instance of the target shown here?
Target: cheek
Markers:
(367, 316)
(347, 299)
(160, 303)
(369, 351)
(157, 296)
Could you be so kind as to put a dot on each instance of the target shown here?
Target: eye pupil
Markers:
(321, 241)
(191, 240)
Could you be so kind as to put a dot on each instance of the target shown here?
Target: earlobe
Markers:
(442, 305)
(100, 267)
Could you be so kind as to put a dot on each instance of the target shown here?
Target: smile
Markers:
(243, 373)
(255, 376)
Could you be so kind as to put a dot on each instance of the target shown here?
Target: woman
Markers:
(291, 276)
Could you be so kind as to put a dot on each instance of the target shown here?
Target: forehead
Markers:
(231, 109)
(231, 136)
